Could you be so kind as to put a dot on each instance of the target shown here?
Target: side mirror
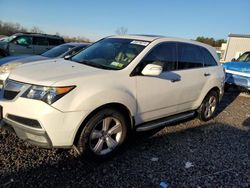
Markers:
(152, 70)
(67, 57)
(233, 59)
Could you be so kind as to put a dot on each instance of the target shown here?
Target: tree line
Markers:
(9, 28)
(211, 41)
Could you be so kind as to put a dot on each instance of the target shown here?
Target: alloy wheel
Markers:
(105, 136)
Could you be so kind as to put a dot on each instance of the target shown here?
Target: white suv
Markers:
(120, 84)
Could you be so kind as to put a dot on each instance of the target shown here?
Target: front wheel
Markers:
(208, 107)
(103, 134)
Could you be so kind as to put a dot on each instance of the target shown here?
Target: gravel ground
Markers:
(189, 154)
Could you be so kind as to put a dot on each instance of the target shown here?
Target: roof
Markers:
(148, 38)
(38, 34)
(239, 35)
(76, 44)
(151, 38)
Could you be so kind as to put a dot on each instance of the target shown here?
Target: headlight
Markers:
(46, 94)
(5, 68)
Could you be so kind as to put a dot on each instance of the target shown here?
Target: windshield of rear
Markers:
(244, 57)
(57, 51)
(110, 53)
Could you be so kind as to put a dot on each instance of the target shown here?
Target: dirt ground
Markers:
(189, 154)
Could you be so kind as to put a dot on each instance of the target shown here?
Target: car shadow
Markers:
(209, 147)
(227, 99)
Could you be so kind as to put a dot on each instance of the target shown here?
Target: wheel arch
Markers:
(114, 105)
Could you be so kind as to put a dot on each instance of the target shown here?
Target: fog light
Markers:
(40, 139)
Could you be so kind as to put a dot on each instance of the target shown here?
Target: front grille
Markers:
(25, 121)
(9, 95)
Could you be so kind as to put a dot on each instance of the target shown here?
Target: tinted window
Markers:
(189, 56)
(164, 54)
(42, 41)
(76, 50)
(55, 42)
(208, 58)
(244, 57)
(22, 40)
(57, 51)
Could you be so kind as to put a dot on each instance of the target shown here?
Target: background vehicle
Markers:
(238, 71)
(28, 43)
(118, 85)
(11, 62)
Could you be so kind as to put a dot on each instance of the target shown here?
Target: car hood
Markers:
(9, 59)
(30, 58)
(238, 66)
(50, 72)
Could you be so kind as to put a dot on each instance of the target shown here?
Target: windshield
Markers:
(57, 51)
(244, 57)
(8, 39)
(110, 53)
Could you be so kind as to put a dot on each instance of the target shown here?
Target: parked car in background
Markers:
(11, 62)
(117, 85)
(28, 43)
(3, 37)
(238, 71)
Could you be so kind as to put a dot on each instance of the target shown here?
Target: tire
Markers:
(3, 54)
(226, 87)
(208, 107)
(103, 135)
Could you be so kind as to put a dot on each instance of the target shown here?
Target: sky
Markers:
(99, 18)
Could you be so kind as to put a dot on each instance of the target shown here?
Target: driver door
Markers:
(158, 96)
(21, 45)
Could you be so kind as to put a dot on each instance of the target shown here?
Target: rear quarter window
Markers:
(208, 58)
(55, 42)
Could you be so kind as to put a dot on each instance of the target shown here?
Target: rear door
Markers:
(40, 44)
(21, 45)
(190, 69)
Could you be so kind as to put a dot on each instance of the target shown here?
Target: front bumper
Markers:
(57, 128)
(33, 136)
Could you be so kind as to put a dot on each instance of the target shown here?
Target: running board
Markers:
(164, 121)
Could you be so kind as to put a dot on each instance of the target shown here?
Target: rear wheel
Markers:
(103, 134)
(208, 107)
(3, 54)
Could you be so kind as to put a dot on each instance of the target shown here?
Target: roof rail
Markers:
(38, 34)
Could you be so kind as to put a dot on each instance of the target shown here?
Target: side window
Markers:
(164, 54)
(189, 56)
(41, 41)
(22, 40)
(208, 58)
(75, 50)
(55, 42)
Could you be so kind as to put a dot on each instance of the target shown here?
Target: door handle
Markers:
(207, 74)
(175, 80)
